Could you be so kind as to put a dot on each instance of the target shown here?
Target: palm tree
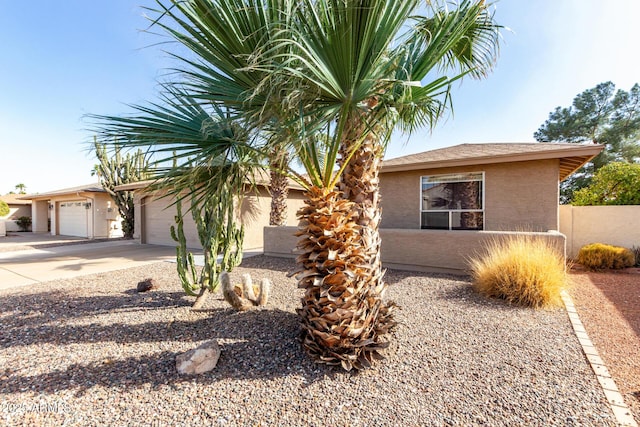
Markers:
(360, 68)
(22, 189)
(226, 36)
(356, 70)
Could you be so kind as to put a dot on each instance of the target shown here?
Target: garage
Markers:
(73, 218)
(159, 216)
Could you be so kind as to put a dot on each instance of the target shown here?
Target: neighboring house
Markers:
(84, 211)
(439, 207)
(156, 214)
(17, 208)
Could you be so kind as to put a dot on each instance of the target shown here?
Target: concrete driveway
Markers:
(32, 266)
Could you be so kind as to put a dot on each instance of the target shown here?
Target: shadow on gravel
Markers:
(258, 344)
(465, 294)
(25, 309)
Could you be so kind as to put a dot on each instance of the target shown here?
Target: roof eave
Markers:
(587, 151)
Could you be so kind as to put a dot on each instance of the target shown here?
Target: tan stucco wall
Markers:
(254, 214)
(15, 212)
(40, 216)
(613, 225)
(421, 250)
(106, 223)
(518, 196)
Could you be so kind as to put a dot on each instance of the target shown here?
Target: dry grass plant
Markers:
(522, 269)
(599, 256)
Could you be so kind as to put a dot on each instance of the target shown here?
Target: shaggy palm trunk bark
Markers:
(279, 190)
(343, 315)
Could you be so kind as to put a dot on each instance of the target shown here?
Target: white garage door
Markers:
(158, 219)
(72, 218)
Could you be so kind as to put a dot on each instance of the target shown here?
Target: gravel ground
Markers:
(90, 351)
(609, 306)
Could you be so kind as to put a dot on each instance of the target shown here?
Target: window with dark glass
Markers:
(452, 201)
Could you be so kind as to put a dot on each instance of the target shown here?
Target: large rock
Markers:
(199, 360)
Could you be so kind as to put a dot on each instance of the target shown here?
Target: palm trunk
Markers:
(279, 189)
(343, 316)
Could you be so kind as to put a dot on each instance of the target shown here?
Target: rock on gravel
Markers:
(199, 360)
(91, 351)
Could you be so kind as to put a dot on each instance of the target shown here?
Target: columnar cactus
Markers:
(243, 297)
(118, 170)
(219, 236)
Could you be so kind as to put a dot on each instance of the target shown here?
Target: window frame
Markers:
(451, 211)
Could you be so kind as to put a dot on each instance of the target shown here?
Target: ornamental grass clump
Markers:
(599, 256)
(521, 269)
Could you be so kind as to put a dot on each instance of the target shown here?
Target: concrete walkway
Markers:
(31, 258)
(32, 266)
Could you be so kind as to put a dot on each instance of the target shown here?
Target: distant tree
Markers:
(602, 116)
(617, 183)
(22, 189)
(118, 170)
(4, 208)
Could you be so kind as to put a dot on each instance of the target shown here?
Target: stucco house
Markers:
(85, 211)
(17, 208)
(155, 214)
(439, 207)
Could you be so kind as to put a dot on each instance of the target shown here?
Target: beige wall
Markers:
(518, 196)
(421, 250)
(106, 219)
(40, 217)
(254, 215)
(613, 225)
(15, 212)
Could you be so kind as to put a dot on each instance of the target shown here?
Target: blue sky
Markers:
(61, 60)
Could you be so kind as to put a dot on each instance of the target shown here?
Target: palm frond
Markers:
(192, 147)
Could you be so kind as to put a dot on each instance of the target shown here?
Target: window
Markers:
(452, 201)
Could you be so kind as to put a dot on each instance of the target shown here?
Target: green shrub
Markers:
(24, 222)
(522, 269)
(4, 208)
(598, 256)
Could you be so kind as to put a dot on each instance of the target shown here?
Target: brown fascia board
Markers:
(588, 151)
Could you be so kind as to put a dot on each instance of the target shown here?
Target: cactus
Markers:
(242, 298)
(218, 235)
(118, 170)
(230, 295)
